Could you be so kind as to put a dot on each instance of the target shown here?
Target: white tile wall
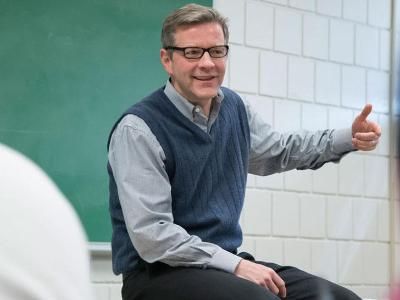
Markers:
(339, 218)
(285, 214)
(292, 112)
(301, 78)
(314, 117)
(355, 10)
(341, 41)
(379, 13)
(312, 64)
(367, 46)
(259, 25)
(273, 74)
(242, 70)
(330, 7)
(351, 175)
(312, 216)
(270, 250)
(378, 90)
(324, 259)
(257, 208)
(303, 4)
(315, 36)
(353, 87)
(385, 50)
(350, 263)
(298, 253)
(325, 179)
(327, 83)
(376, 181)
(288, 31)
(365, 219)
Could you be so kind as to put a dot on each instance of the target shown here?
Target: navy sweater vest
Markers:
(207, 173)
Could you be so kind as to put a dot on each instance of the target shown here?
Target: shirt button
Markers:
(197, 109)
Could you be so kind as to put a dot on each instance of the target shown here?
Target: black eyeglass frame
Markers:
(183, 49)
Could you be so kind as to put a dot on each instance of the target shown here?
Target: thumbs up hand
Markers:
(365, 133)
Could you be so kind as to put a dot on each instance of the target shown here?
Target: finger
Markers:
(365, 112)
(280, 284)
(364, 145)
(366, 136)
(272, 286)
(375, 128)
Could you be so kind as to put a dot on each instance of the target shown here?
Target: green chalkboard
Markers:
(68, 69)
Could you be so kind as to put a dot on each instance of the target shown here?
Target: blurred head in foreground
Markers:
(43, 249)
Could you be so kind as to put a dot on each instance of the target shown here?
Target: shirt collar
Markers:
(184, 106)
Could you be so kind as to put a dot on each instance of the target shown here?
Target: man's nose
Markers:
(206, 61)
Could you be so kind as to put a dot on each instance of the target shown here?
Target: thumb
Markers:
(365, 112)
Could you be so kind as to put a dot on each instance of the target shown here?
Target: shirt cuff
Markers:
(342, 141)
(224, 260)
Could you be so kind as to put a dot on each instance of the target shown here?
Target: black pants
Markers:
(159, 281)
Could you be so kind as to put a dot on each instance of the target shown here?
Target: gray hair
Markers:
(191, 14)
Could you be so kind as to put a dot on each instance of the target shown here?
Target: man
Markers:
(178, 162)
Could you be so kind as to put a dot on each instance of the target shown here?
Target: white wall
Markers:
(312, 64)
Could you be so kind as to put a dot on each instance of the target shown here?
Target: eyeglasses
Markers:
(197, 52)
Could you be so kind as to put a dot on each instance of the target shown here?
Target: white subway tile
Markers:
(256, 212)
(251, 181)
(115, 292)
(366, 292)
(244, 72)
(285, 206)
(367, 46)
(384, 143)
(324, 259)
(273, 74)
(353, 87)
(377, 179)
(330, 7)
(298, 180)
(259, 25)
(327, 83)
(303, 4)
(312, 216)
(287, 115)
(325, 179)
(263, 106)
(339, 218)
(298, 254)
(234, 11)
(378, 90)
(101, 291)
(385, 51)
(287, 31)
(248, 245)
(341, 47)
(379, 13)
(351, 175)
(383, 220)
(350, 264)
(281, 2)
(340, 117)
(274, 181)
(101, 270)
(315, 36)
(227, 71)
(269, 250)
(355, 10)
(301, 79)
(376, 263)
(365, 214)
(314, 117)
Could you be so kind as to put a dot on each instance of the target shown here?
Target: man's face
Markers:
(198, 80)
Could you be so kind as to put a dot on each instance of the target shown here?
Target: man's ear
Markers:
(166, 60)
